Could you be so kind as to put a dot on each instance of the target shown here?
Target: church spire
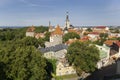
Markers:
(67, 16)
(67, 22)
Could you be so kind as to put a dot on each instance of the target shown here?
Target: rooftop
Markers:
(54, 48)
(58, 31)
(31, 29)
(110, 42)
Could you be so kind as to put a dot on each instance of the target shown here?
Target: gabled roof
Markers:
(58, 31)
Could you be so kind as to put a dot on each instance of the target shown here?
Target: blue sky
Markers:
(40, 12)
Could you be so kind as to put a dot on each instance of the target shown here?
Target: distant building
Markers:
(67, 22)
(101, 29)
(77, 31)
(39, 35)
(30, 31)
(51, 29)
(55, 38)
(93, 36)
(114, 48)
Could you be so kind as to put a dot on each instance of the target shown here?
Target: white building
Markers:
(30, 31)
(55, 38)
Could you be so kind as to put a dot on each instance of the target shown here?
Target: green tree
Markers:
(41, 29)
(12, 34)
(103, 35)
(103, 38)
(24, 63)
(83, 56)
(70, 35)
(89, 30)
(41, 42)
(47, 36)
(28, 41)
(19, 57)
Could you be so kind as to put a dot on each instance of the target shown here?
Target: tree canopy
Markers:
(20, 59)
(103, 38)
(41, 29)
(12, 34)
(83, 56)
(89, 30)
(70, 35)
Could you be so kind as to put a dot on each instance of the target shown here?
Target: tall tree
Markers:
(70, 35)
(83, 56)
(47, 36)
(28, 41)
(24, 63)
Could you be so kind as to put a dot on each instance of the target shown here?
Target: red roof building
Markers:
(58, 31)
(31, 29)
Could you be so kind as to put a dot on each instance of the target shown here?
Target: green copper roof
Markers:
(103, 54)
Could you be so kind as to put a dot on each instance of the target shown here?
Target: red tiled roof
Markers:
(58, 31)
(96, 33)
(70, 41)
(85, 38)
(110, 42)
(75, 31)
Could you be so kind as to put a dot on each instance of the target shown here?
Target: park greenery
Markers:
(83, 56)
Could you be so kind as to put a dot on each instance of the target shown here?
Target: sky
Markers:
(40, 12)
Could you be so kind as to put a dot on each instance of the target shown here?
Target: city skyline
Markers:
(40, 12)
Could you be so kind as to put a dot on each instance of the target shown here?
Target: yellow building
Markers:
(64, 69)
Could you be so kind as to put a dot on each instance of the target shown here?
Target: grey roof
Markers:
(54, 48)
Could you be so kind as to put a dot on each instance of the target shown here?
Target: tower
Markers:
(67, 22)
(50, 27)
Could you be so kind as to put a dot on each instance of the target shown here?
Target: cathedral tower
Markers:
(67, 22)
